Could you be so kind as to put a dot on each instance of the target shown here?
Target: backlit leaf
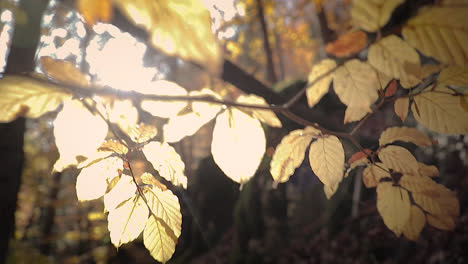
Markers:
(95, 10)
(165, 109)
(356, 84)
(401, 107)
(233, 134)
(92, 181)
(393, 204)
(347, 44)
(148, 178)
(440, 111)
(142, 132)
(265, 116)
(159, 239)
(399, 159)
(73, 136)
(113, 146)
(126, 222)
(372, 175)
(167, 162)
(372, 15)
(316, 91)
(165, 205)
(395, 58)
(23, 96)
(326, 158)
(415, 224)
(177, 27)
(63, 71)
(121, 192)
(407, 134)
(290, 153)
(440, 32)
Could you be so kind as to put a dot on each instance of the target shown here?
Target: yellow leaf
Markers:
(407, 134)
(165, 109)
(356, 84)
(401, 107)
(347, 44)
(441, 222)
(177, 27)
(316, 91)
(393, 204)
(440, 111)
(167, 162)
(415, 223)
(95, 10)
(113, 146)
(353, 113)
(23, 96)
(290, 153)
(142, 132)
(126, 222)
(73, 136)
(182, 126)
(206, 109)
(464, 102)
(395, 58)
(121, 192)
(383, 79)
(164, 225)
(148, 178)
(453, 76)
(372, 15)
(429, 69)
(238, 144)
(372, 175)
(399, 159)
(92, 181)
(326, 158)
(440, 32)
(122, 113)
(265, 116)
(63, 71)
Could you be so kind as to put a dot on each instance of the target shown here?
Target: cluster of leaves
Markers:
(407, 196)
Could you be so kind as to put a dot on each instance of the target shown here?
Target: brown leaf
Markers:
(347, 44)
(391, 89)
(95, 10)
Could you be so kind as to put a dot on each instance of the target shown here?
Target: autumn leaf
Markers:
(440, 32)
(429, 69)
(401, 107)
(326, 158)
(440, 111)
(166, 161)
(315, 91)
(160, 108)
(391, 89)
(120, 112)
(113, 146)
(428, 170)
(123, 190)
(142, 132)
(395, 58)
(407, 134)
(23, 96)
(415, 224)
(148, 178)
(455, 77)
(356, 84)
(177, 27)
(372, 15)
(372, 175)
(393, 204)
(290, 153)
(95, 10)
(347, 44)
(233, 134)
(265, 116)
(63, 71)
(127, 221)
(164, 224)
(398, 159)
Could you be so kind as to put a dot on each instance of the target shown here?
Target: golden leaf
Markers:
(164, 224)
(63, 71)
(177, 27)
(206, 109)
(142, 133)
(167, 162)
(372, 175)
(148, 178)
(113, 146)
(121, 112)
(73, 136)
(165, 109)
(95, 10)
(399, 159)
(23, 96)
(415, 224)
(265, 116)
(356, 84)
(395, 58)
(290, 153)
(92, 181)
(393, 204)
(326, 158)
(316, 91)
(126, 222)
(121, 192)
(429, 69)
(440, 111)
(453, 76)
(464, 102)
(372, 15)
(234, 133)
(347, 44)
(440, 32)
(401, 107)
(428, 170)
(407, 134)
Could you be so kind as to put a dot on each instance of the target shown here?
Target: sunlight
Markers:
(5, 37)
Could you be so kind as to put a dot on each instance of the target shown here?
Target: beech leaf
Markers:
(407, 134)
(316, 91)
(393, 204)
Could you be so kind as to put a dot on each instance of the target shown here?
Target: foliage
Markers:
(408, 197)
